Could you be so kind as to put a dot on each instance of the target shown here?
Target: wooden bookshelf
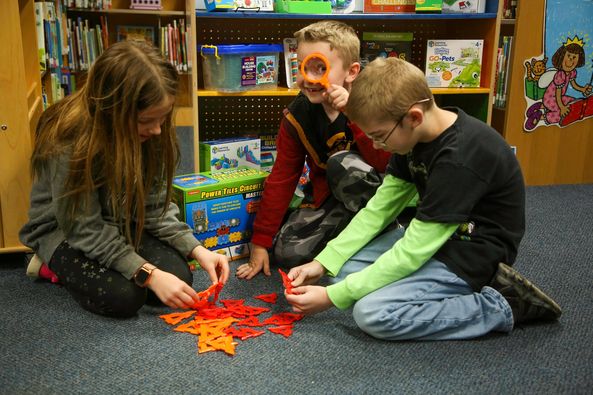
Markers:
(20, 108)
(223, 115)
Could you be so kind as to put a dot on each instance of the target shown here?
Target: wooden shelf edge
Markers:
(129, 11)
(293, 92)
(268, 92)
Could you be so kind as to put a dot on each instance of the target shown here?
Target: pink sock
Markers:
(45, 272)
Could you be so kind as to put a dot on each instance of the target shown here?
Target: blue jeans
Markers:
(431, 304)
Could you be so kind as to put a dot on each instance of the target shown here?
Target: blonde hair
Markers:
(98, 125)
(385, 89)
(341, 37)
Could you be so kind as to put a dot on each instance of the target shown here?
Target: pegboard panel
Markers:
(232, 116)
(269, 31)
(229, 116)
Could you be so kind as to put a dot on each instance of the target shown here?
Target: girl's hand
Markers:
(259, 259)
(309, 299)
(171, 290)
(216, 265)
(564, 110)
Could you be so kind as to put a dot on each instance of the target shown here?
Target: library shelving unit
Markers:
(120, 14)
(252, 112)
(22, 84)
(20, 108)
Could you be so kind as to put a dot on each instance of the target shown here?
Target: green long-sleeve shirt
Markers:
(420, 242)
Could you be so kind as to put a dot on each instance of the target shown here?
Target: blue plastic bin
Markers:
(240, 67)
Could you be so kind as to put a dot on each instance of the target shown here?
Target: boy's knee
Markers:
(368, 319)
(339, 164)
(289, 257)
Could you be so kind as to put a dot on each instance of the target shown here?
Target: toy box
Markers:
(221, 207)
(228, 154)
(268, 151)
(232, 5)
(429, 6)
(385, 45)
(389, 6)
(303, 7)
(238, 67)
(464, 6)
(454, 63)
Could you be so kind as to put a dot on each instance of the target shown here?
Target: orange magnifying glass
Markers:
(315, 69)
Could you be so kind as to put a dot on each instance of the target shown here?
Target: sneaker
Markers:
(38, 269)
(527, 302)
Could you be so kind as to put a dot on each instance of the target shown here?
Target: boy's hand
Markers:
(216, 265)
(337, 96)
(309, 273)
(259, 259)
(309, 299)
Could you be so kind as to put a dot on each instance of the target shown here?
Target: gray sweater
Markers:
(95, 232)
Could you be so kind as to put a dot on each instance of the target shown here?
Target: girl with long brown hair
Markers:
(101, 215)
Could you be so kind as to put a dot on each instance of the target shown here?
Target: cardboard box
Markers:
(429, 6)
(385, 45)
(268, 151)
(464, 6)
(221, 207)
(232, 5)
(228, 154)
(389, 6)
(454, 63)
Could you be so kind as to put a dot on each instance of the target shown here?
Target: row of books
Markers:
(89, 4)
(509, 9)
(503, 65)
(68, 45)
(172, 41)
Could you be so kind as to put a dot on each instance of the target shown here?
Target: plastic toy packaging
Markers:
(342, 6)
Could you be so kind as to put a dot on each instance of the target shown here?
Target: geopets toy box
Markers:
(221, 207)
(228, 154)
(454, 63)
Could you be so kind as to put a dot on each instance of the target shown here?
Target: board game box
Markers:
(220, 207)
(385, 45)
(388, 6)
(464, 6)
(228, 154)
(454, 63)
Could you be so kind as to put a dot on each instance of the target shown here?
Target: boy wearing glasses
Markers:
(442, 278)
(344, 167)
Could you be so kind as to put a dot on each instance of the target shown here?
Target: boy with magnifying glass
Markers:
(344, 167)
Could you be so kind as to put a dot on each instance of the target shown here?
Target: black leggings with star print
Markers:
(107, 292)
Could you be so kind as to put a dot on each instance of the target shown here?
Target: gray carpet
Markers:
(48, 345)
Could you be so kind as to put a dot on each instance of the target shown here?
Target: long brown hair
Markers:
(97, 125)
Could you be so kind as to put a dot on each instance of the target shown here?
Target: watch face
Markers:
(142, 277)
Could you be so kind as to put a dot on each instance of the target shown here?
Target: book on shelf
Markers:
(89, 4)
(501, 78)
(509, 9)
(134, 32)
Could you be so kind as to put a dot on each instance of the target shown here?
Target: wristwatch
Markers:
(143, 274)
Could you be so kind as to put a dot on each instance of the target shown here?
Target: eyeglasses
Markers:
(383, 143)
